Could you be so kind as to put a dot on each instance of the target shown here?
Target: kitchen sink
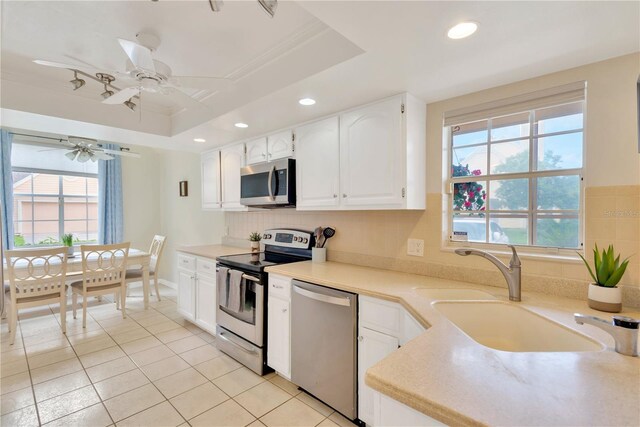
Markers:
(454, 294)
(506, 326)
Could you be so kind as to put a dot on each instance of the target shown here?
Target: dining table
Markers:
(136, 258)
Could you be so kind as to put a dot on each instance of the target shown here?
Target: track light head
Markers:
(76, 83)
(216, 5)
(130, 104)
(269, 6)
(107, 93)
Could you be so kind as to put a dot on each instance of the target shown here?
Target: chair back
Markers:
(36, 272)
(104, 265)
(157, 245)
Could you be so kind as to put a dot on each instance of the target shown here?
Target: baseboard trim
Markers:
(134, 285)
(168, 284)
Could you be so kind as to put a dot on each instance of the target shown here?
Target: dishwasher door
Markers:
(323, 345)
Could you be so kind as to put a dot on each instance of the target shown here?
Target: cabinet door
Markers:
(372, 347)
(186, 295)
(232, 159)
(279, 336)
(372, 156)
(318, 164)
(210, 173)
(280, 145)
(256, 151)
(206, 302)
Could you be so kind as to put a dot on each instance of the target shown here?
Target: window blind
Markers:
(529, 101)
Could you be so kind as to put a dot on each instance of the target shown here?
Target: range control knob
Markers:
(264, 236)
(305, 240)
(295, 238)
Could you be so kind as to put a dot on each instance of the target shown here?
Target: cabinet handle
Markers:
(278, 286)
(344, 195)
(335, 196)
(284, 310)
(264, 155)
(360, 338)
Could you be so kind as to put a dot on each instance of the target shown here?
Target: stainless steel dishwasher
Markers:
(323, 345)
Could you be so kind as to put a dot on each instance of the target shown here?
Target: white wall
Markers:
(152, 204)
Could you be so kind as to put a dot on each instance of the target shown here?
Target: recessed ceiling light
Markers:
(241, 125)
(307, 101)
(462, 30)
(199, 140)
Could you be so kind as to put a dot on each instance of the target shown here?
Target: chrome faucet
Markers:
(623, 329)
(512, 274)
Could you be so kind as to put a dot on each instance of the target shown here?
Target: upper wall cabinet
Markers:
(256, 151)
(318, 161)
(381, 158)
(210, 173)
(232, 158)
(273, 147)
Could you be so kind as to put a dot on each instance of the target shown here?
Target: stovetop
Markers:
(256, 262)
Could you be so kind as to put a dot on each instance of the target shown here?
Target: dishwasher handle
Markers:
(323, 298)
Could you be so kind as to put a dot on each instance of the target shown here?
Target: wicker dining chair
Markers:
(103, 272)
(36, 277)
(135, 274)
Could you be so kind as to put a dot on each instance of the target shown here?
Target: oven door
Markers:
(268, 184)
(248, 321)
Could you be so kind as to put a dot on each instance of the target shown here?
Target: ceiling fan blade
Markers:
(122, 96)
(120, 153)
(54, 149)
(193, 82)
(100, 155)
(60, 65)
(139, 55)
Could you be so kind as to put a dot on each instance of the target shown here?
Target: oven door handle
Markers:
(247, 277)
(271, 172)
(235, 344)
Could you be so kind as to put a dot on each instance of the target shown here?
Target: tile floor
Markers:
(151, 369)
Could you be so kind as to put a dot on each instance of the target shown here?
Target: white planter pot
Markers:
(70, 251)
(605, 299)
(255, 246)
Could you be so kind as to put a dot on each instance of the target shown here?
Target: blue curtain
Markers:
(6, 189)
(110, 217)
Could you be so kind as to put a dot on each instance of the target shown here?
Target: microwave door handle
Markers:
(271, 171)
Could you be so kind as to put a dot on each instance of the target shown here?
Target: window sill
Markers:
(525, 253)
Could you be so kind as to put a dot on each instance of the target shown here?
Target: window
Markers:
(517, 178)
(48, 205)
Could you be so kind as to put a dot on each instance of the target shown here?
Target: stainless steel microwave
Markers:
(269, 185)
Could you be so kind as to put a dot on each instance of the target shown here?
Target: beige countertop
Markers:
(212, 251)
(448, 376)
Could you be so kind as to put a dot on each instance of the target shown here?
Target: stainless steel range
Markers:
(241, 314)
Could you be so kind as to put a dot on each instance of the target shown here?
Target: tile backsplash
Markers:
(379, 239)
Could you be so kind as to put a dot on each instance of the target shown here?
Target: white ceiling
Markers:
(313, 49)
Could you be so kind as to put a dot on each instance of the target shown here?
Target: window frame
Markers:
(536, 251)
(60, 196)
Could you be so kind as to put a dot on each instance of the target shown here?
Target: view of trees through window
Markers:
(517, 178)
(46, 206)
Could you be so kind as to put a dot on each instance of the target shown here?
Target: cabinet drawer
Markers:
(280, 286)
(187, 262)
(380, 315)
(206, 266)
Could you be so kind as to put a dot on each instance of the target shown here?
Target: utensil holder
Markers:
(318, 254)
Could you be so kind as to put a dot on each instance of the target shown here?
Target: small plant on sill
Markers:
(608, 268)
(67, 239)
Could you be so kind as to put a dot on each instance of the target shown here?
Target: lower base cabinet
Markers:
(279, 325)
(197, 291)
(391, 413)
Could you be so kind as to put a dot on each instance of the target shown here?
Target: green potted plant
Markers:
(67, 240)
(604, 295)
(255, 238)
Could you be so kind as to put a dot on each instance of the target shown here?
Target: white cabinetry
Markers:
(383, 327)
(391, 413)
(210, 173)
(280, 145)
(318, 165)
(272, 147)
(381, 157)
(256, 151)
(279, 325)
(197, 291)
(232, 158)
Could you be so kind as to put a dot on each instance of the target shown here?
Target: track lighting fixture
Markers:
(107, 93)
(76, 82)
(130, 104)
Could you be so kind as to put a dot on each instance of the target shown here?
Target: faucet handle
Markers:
(626, 322)
(515, 260)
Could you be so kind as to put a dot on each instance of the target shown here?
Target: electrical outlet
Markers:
(415, 247)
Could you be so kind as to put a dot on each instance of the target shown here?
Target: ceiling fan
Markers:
(85, 149)
(146, 75)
